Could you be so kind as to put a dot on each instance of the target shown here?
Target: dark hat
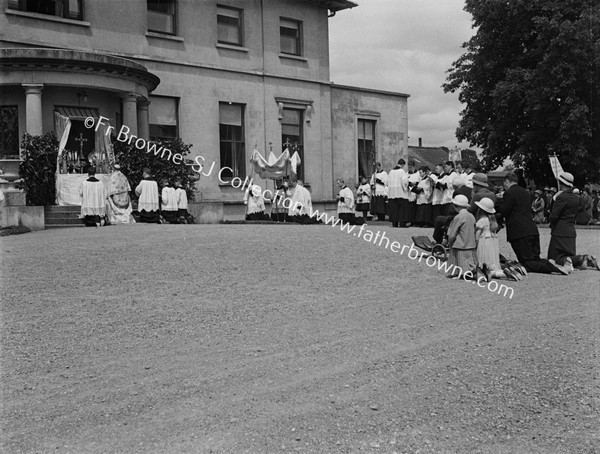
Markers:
(480, 179)
(512, 176)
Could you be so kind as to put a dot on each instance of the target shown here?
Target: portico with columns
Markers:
(37, 81)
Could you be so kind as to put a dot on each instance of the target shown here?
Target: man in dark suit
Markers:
(521, 231)
(562, 222)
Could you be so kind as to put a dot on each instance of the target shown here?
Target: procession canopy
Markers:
(273, 167)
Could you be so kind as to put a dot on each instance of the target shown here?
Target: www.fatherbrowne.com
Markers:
(413, 253)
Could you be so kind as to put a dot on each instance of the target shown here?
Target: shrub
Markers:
(38, 169)
(133, 160)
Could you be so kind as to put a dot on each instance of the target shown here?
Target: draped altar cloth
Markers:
(69, 184)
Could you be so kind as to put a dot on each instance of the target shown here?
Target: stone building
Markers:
(225, 76)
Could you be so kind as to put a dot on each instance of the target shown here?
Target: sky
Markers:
(404, 46)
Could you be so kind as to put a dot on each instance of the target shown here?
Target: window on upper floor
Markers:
(9, 132)
(231, 140)
(229, 25)
(68, 9)
(290, 32)
(162, 114)
(162, 16)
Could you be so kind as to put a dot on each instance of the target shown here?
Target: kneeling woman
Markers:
(255, 205)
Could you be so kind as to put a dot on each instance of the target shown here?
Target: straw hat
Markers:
(486, 205)
(461, 201)
(566, 178)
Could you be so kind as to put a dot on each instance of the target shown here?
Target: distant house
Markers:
(428, 156)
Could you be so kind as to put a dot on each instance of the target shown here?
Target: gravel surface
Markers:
(272, 339)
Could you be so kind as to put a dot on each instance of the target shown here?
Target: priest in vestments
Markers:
(147, 192)
(93, 203)
(119, 203)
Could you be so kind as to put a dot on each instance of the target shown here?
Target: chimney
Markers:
(420, 142)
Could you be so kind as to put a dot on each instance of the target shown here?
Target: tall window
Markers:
(292, 135)
(366, 147)
(231, 137)
(9, 132)
(229, 26)
(161, 16)
(290, 32)
(163, 117)
(68, 9)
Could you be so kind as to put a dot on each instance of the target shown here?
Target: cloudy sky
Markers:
(404, 46)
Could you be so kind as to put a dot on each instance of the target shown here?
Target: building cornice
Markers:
(67, 60)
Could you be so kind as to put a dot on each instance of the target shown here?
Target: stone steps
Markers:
(56, 216)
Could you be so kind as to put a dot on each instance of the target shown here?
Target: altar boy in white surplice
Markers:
(93, 203)
(147, 192)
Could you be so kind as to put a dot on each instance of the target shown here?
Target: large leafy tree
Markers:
(530, 82)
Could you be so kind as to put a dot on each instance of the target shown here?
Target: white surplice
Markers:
(93, 196)
(147, 191)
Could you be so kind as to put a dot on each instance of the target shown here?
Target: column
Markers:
(33, 109)
(143, 119)
(129, 102)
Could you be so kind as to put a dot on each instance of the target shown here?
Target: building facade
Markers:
(227, 77)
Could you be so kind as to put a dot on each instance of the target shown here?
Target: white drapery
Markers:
(62, 126)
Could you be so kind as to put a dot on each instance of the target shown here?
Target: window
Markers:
(9, 132)
(366, 147)
(231, 137)
(229, 26)
(161, 16)
(163, 117)
(292, 135)
(290, 34)
(68, 9)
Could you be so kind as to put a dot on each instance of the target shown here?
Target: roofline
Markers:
(335, 5)
(371, 90)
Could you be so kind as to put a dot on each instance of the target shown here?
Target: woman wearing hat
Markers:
(562, 222)
(538, 206)
(461, 239)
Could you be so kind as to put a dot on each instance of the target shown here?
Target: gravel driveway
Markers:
(276, 339)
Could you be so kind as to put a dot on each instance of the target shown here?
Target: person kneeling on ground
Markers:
(300, 204)
(345, 208)
(461, 240)
(255, 203)
(147, 192)
(182, 204)
(169, 203)
(93, 204)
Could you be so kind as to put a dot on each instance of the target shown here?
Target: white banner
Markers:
(556, 167)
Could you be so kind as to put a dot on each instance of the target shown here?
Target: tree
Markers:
(529, 79)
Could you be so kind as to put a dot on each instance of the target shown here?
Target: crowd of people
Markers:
(466, 215)
(588, 211)
(102, 206)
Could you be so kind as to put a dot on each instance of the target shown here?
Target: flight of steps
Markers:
(56, 216)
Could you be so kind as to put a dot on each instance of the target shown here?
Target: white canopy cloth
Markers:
(274, 168)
